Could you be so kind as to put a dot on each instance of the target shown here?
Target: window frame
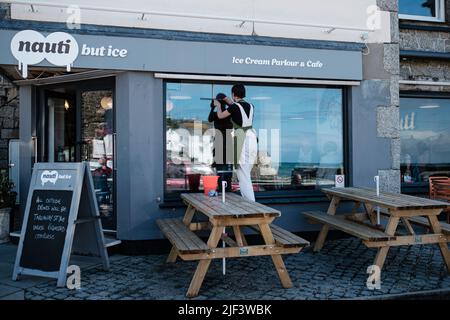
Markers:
(440, 14)
(278, 196)
(418, 188)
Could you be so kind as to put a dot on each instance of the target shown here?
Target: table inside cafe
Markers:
(221, 218)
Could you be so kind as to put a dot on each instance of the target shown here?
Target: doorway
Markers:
(76, 123)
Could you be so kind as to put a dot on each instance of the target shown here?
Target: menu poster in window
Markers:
(108, 140)
(98, 149)
(61, 196)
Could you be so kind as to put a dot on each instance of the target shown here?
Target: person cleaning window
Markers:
(245, 141)
(224, 128)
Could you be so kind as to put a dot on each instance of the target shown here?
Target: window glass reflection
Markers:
(425, 138)
(300, 136)
(426, 8)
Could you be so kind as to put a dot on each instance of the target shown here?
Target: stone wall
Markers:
(375, 125)
(9, 118)
(9, 106)
(388, 116)
(5, 12)
(422, 40)
(425, 70)
(426, 41)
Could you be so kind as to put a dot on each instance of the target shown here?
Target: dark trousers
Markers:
(225, 173)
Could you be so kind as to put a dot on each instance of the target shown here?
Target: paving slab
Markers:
(19, 295)
(337, 272)
(7, 290)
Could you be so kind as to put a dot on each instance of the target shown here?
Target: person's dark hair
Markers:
(219, 97)
(238, 90)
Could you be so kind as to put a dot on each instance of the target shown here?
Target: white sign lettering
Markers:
(278, 62)
(103, 51)
(53, 176)
(30, 47)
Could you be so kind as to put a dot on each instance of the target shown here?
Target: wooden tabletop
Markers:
(234, 205)
(389, 200)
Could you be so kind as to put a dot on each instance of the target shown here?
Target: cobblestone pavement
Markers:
(337, 272)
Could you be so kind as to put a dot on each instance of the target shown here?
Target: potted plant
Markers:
(7, 201)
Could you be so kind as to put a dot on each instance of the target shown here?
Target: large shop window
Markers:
(424, 10)
(300, 136)
(425, 139)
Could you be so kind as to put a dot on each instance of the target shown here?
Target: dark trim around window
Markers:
(420, 188)
(273, 197)
(440, 14)
(435, 28)
(424, 55)
(424, 94)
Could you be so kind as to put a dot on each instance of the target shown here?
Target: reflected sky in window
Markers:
(309, 119)
(425, 8)
(425, 131)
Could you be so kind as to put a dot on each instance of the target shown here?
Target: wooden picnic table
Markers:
(411, 211)
(236, 213)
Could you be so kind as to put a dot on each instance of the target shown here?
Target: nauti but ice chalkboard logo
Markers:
(53, 176)
(30, 47)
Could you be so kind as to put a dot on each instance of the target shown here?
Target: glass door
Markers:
(97, 139)
(61, 120)
(76, 123)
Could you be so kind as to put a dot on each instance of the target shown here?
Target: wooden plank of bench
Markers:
(239, 252)
(402, 198)
(181, 237)
(389, 200)
(422, 221)
(284, 238)
(177, 235)
(259, 207)
(234, 206)
(348, 226)
(287, 239)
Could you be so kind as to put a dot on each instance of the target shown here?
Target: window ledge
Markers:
(267, 200)
(421, 27)
(424, 54)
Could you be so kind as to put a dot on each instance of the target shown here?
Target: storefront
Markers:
(424, 94)
(137, 109)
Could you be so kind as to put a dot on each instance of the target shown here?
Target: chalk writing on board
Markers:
(60, 195)
(49, 210)
(47, 227)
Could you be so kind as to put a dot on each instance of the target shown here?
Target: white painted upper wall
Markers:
(190, 15)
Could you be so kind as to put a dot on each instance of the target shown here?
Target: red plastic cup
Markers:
(210, 183)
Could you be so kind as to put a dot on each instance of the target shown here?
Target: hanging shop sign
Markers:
(30, 47)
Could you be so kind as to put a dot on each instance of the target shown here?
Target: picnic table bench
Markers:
(236, 213)
(397, 208)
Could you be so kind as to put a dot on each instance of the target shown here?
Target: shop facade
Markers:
(135, 105)
(424, 94)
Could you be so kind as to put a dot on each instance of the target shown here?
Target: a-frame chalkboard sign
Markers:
(61, 218)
